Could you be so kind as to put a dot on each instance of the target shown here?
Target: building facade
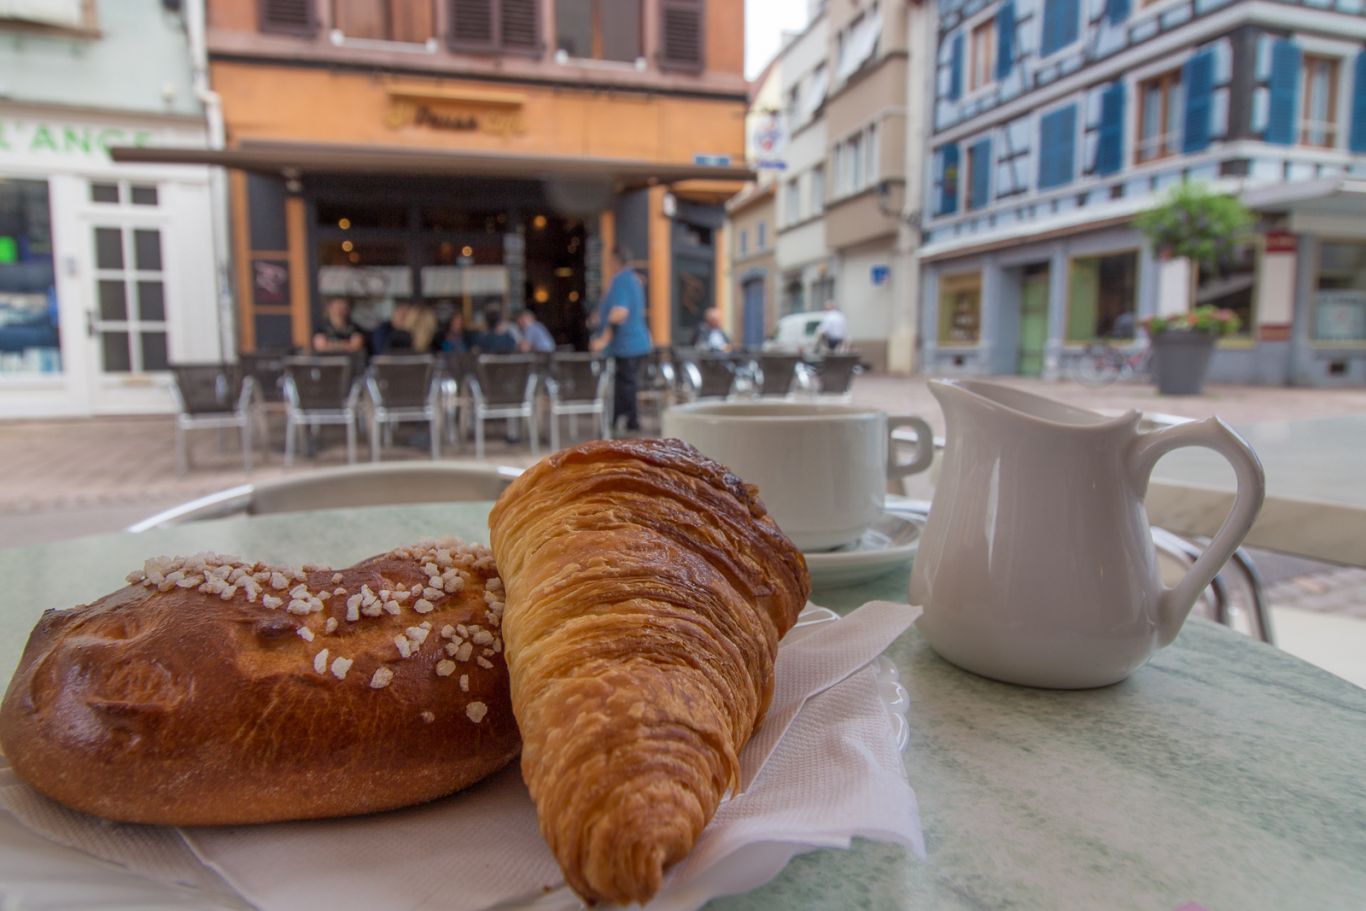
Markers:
(107, 271)
(475, 155)
(1056, 121)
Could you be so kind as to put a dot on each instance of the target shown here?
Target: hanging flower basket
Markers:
(1183, 346)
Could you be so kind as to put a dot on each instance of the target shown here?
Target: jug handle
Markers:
(924, 447)
(1176, 602)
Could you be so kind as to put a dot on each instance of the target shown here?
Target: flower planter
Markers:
(1181, 360)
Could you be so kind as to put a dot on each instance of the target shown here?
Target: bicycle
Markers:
(1101, 364)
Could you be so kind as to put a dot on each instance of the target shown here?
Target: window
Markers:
(792, 202)
(818, 189)
(130, 317)
(1102, 297)
(1340, 292)
(29, 325)
(960, 309)
(681, 41)
(1319, 103)
(1061, 25)
(289, 16)
(870, 152)
(409, 21)
(744, 241)
(599, 29)
(857, 44)
(492, 26)
(1057, 144)
(761, 240)
(982, 55)
(1159, 117)
(978, 175)
(1233, 287)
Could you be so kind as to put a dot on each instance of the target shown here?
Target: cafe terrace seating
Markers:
(211, 396)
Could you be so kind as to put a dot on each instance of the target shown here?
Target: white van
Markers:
(798, 333)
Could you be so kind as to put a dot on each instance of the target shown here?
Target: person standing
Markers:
(834, 329)
(623, 336)
(536, 337)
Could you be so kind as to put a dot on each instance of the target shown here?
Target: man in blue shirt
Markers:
(623, 336)
(535, 336)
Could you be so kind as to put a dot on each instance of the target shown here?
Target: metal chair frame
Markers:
(241, 416)
(595, 406)
(298, 417)
(481, 410)
(386, 416)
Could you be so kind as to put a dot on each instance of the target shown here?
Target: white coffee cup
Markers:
(821, 469)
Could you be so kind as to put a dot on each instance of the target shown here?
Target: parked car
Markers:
(796, 332)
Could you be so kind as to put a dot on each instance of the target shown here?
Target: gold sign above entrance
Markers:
(455, 110)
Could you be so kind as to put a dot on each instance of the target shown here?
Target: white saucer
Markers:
(889, 543)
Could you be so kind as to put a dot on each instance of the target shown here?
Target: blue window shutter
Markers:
(1061, 24)
(1357, 140)
(1110, 140)
(979, 157)
(1057, 147)
(956, 68)
(1005, 39)
(948, 187)
(1116, 11)
(1198, 78)
(1282, 120)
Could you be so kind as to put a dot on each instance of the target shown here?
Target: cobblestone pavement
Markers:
(66, 478)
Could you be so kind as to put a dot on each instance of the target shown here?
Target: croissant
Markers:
(647, 590)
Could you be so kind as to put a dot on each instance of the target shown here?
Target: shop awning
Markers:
(292, 159)
(1322, 196)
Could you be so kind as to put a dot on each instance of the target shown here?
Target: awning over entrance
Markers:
(292, 159)
(1324, 196)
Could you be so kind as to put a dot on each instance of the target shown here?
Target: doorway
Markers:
(753, 313)
(1034, 284)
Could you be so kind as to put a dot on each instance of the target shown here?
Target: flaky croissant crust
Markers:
(647, 591)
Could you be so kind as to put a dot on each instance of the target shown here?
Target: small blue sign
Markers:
(712, 161)
(881, 274)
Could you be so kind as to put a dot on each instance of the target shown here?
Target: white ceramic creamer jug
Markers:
(1037, 565)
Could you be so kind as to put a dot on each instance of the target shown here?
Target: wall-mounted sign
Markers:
(767, 141)
(712, 161)
(454, 117)
(1281, 242)
(270, 282)
(58, 138)
(881, 274)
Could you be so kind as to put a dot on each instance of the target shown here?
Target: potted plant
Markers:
(1206, 228)
(1183, 345)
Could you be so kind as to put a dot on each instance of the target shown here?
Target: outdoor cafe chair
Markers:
(833, 375)
(385, 484)
(658, 382)
(776, 374)
(578, 384)
(403, 389)
(709, 376)
(267, 372)
(320, 391)
(211, 396)
(503, 386)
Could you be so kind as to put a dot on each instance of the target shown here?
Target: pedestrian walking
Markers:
(623, 336)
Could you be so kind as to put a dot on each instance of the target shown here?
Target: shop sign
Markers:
(1281, 242)
(768, 144)
(57, 138)
(455, 118)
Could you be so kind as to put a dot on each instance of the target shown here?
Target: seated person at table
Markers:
(456, 340)
(409, 330)
(535, 336)
(498, 336)
(710, 335)
(338, 334)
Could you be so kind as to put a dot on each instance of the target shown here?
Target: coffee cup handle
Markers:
(924, 447)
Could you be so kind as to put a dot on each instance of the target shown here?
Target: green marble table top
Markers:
(1225, 773)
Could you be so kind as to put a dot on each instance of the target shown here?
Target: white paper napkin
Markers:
(822, 770)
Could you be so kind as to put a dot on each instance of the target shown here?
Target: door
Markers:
(1033, 319)
(754, 313)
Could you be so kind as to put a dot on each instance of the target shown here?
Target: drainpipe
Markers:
(218, 178)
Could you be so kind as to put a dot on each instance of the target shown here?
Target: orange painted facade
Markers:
(308, 90)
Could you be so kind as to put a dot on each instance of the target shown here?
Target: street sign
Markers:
(881, 274)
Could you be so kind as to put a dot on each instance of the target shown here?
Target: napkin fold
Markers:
(821, 770)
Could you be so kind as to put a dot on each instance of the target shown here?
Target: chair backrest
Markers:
(267, 371)
(320, 383)
(577, 377)
(779, 371)
(504, 378)
(208, 388)
(836, 373)
(718, 376)
(402, 381)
